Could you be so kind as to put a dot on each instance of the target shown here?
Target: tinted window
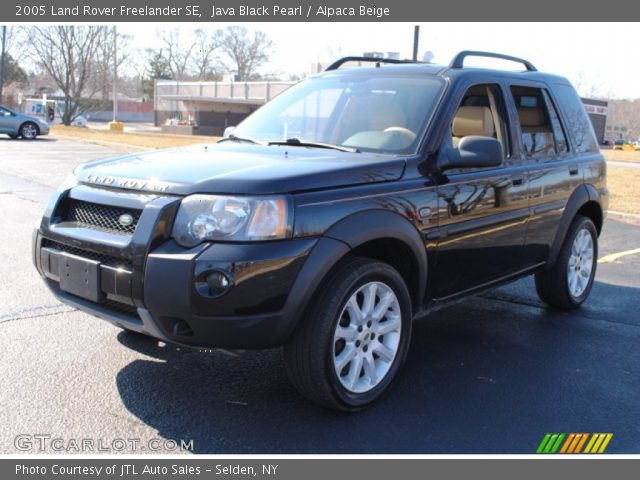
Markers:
(558, 132)
(576, 120)
(535, 122)
(482, 112)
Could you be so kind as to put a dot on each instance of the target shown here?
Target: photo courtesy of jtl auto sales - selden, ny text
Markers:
(319, 239)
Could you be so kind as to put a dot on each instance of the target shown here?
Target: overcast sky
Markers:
(599, 57)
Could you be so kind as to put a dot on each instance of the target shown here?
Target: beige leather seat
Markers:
(532, 120)
(360, 114)
(472, 121)
(537, 136)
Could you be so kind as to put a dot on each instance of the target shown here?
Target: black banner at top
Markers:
(90, 11)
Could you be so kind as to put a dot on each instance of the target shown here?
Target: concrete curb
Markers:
(632, 218)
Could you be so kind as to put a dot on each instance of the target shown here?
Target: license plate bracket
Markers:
(79, 276)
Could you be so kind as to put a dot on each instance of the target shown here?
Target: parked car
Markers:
(79, 121)
(332, 217)
(17, 124)
(619, 144)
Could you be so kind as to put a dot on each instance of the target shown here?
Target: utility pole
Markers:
(2, 55)
(416, 39)
(115, 75)
(114, 124)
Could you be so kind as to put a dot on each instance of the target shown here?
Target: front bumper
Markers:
(147, 283)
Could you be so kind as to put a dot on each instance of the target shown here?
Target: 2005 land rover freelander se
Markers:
(336, 214)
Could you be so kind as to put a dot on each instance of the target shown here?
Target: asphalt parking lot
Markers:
(491, 374)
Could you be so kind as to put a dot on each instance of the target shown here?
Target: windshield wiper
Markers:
(296, 142)
(236, 138)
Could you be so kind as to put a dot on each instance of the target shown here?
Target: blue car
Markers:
(17, 124)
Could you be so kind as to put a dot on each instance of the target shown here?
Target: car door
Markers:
(553, 170)
(6, 119)
(482, 212)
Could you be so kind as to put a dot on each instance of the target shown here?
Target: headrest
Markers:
(473, 121)
(531, 117)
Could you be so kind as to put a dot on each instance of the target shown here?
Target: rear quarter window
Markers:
(576, 121)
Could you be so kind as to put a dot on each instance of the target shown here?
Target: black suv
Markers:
(335, 215)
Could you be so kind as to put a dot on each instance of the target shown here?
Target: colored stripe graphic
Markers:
(582, 442)
(544, 441)
(598, 443)
(552, 442)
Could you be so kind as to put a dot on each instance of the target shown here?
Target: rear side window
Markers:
(577, 122)
(538, 136)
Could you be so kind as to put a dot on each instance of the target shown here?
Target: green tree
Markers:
(13, 73)
(157, 68)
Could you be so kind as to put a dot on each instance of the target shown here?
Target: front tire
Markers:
(568, 283)
(29, 131)
(354, 338)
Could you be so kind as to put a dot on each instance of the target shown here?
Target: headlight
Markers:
(212, 217)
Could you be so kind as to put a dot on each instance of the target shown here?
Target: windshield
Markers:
(386, 114)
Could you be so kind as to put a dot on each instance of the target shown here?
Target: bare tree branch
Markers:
(68, 55)
(246, 53)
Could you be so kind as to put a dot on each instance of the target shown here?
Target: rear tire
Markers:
(354, 337)
(568, 283)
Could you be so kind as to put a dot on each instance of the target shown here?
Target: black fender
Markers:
(344, 236)
(594, 194)
(580, 196)
(363, 227)
(324, 255)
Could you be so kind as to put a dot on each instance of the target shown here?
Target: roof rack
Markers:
(338, 63)
(458, 60)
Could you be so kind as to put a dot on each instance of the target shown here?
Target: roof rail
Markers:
(338, 63)
(458, 60)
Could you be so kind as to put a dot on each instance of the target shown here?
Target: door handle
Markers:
(517, 181)
(573, 170)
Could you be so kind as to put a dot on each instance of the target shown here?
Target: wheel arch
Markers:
(585, 200)
(368, 234)
(388, 237)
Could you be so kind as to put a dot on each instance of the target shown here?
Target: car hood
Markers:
(237, 168)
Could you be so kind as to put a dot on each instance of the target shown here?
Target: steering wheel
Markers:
(404, 132)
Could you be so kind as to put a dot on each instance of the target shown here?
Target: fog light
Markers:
(213, 283)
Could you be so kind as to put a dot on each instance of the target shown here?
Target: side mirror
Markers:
(473, 152)
(228, 131)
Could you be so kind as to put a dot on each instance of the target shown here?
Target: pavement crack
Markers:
(506, 298)
(35, 312)
(19, 194)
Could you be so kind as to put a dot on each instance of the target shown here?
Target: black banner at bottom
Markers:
(370, 468)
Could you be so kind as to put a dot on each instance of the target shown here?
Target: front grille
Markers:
(115, 262)
(100, 217)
